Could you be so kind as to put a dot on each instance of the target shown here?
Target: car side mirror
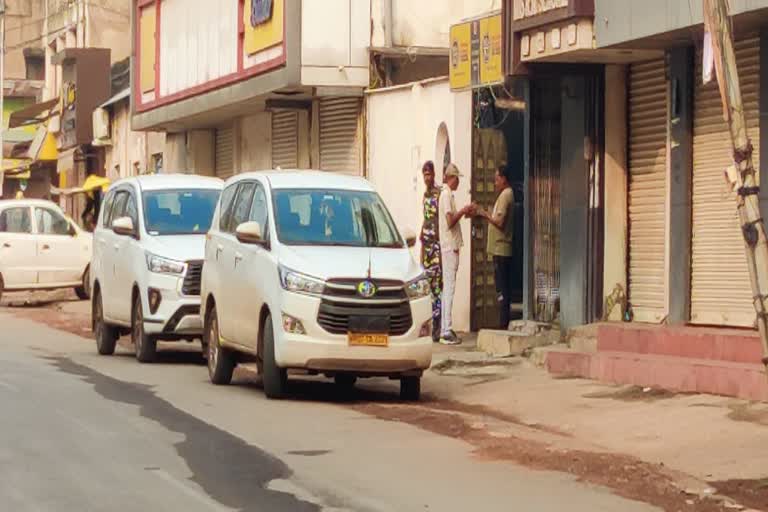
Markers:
(124, 226)
(410, 237)
(249, 233)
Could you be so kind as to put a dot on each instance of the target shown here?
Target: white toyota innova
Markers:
(307, 271)
(148, 258)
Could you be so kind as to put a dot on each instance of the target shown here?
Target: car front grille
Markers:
(347, 289)
(193, 278)
(334, 316)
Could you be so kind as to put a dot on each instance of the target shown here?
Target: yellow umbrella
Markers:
(92, 182)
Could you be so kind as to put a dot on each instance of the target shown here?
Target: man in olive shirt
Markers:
(500, 237)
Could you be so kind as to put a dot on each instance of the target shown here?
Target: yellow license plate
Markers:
(368, 340)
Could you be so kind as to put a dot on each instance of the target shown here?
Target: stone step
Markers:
(513, 343)
(733, 345)
(680, 374)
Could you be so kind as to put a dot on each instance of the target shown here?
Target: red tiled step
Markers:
(688, 375)
(733, 345)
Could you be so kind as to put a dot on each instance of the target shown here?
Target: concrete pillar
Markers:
(681, 83)
(201, 152)
(175, 153)
(616, 171)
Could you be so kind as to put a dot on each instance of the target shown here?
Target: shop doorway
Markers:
(501, 144)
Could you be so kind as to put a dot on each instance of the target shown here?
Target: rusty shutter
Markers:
(648, 94)
(720, 288)
(340, 140)
(285, 139)
(225, 151)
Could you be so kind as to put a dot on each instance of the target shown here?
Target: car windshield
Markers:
(334, 217)
(179, 212)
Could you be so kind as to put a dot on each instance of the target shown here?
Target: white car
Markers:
(42, 249)
(147, 260)
(307, 271)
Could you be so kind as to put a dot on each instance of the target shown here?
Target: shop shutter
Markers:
(225, 146)
(720, 287)
(285, 139)
(648, 93)
(340, 140)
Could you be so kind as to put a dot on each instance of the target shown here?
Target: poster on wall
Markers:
(264, 24)
(476, 53)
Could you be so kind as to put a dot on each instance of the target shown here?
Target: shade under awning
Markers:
(33, 114)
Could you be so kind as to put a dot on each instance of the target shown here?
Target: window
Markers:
(118, 210)
(109, 201)
(15, 220)
(50, 222)
(259, 211)
(157, 163)
(225, 210)
(242, 206)
(334, 217)
(131, 211)
(179, 212)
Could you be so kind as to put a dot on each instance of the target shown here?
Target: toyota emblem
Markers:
(366, 289)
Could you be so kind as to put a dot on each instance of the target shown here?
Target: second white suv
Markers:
(148, 250)
(307, 271)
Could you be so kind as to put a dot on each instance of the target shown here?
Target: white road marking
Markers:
(9, 386)
(188, 490)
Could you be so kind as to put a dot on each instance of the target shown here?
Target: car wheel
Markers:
(275, 378)
(2, 287)
(410, 388)
(84, 292)
(221, 361)
(144, 345)
(345, 381)
(106, 336)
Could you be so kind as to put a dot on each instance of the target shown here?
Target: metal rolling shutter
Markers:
(225, 146)
(648, 94)
(285, 139)
(720, 289)
(340, 141)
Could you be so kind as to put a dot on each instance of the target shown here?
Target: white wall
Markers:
(399, 144)
(425, 23)
(197, 45)
(130, 148)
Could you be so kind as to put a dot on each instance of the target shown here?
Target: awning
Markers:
(33, 114)
(43, 147)
(125, 93)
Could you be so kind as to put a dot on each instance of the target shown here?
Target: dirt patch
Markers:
(749, 412)
(751, 493)
(50, 315)
(634, 394)
(625, 475)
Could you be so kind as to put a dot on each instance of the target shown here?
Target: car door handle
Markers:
(238, 258)
(117, 247)
(219, 250)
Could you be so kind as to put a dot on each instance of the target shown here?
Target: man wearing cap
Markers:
(451, 242)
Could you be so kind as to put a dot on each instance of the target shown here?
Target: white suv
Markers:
(307, 271)
(147, 260)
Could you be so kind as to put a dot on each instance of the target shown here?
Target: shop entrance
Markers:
(499, 142)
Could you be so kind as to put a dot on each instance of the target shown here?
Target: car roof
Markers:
(172, 181)
(6, 203)
(302, 179)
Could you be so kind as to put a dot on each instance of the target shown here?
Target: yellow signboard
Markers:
(491, 43)
(460, 59)
(264, 23)
(476, 53)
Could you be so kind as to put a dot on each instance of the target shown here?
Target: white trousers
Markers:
(450, 263)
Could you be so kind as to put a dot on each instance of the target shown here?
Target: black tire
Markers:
(2, 287)
(275, 379)
(410, 389)
(106, 335)
(144, 345)
(84, 292)
(345, 381)
(221, 361)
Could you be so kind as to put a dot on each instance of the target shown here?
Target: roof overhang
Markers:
(32, 114)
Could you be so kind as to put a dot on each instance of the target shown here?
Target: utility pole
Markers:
(743, 179)
(2, 94)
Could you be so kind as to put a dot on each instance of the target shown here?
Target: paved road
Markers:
(87, 433)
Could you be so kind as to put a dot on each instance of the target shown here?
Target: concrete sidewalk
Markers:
(714, 439)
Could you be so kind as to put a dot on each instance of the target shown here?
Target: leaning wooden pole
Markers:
(744, 180)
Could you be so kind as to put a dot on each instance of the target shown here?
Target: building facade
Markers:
(270, 84)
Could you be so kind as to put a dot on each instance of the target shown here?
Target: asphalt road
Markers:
(87, 433)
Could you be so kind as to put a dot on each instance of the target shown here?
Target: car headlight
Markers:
(418, 288)
(162, 265)
(300, 283)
